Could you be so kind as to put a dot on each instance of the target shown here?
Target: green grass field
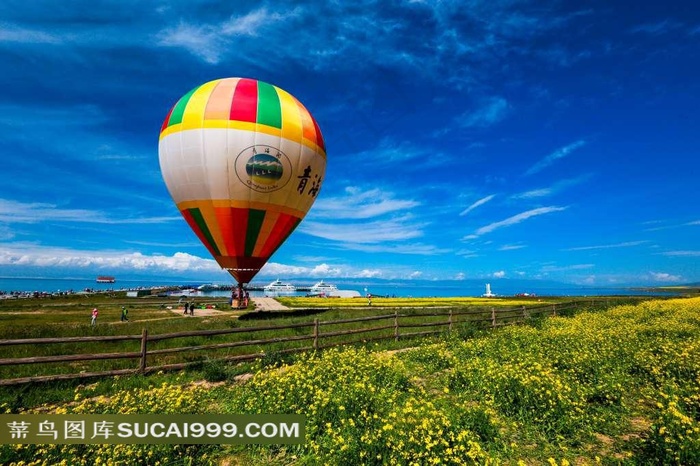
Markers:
(615, 386)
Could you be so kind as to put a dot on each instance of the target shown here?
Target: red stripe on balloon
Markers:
(244, 106)
(165, 123)
(239, 229)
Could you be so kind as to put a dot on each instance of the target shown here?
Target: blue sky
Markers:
(466, 139)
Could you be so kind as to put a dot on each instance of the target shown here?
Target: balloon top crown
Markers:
(244, 103)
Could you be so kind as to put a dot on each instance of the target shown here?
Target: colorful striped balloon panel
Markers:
(240, 239)
(244, 103)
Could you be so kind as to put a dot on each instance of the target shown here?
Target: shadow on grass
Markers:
(266, 315)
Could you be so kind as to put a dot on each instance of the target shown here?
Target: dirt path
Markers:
(268, 304)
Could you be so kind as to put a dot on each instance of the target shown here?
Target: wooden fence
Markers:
(320, 334)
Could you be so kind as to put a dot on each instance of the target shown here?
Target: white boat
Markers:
(322, 288)
(185, 293)
(208, 287)
(279, 287)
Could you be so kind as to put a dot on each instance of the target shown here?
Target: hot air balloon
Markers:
(244, 161)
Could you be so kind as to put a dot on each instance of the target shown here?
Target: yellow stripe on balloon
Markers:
(286, 133)
(194, 112)
(241, 205)
(291, 120)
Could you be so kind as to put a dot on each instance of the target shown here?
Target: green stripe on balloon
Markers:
(269, 109)
(255, 221)
(202, 224)
(179, 109)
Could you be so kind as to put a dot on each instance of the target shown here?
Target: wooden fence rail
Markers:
(446, 322)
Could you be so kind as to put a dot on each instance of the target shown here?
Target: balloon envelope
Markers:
(244, 161)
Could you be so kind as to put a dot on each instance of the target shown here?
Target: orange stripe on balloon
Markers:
(224, 218)
(219, 105)
(267, 228)
(283, 227)
(307, 123)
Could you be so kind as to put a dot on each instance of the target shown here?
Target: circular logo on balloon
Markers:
(263, 168)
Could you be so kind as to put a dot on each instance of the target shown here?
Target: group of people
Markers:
(95, 313)
(189, 308)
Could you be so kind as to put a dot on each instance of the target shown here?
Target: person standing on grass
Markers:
(94, 317)
(187, 308)
(125, 314)
(192, 308)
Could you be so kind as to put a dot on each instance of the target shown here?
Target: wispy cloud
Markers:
(360, 204)
(35, 212)
(489, 113)
(478, 203)
(395, 229)
(681, 253)
(15, 34)
(564, 268)
(657, 28)
(511, 247)
(627, 244)
(551, 190)
(253, 22)
(515, 219)
(668, 227)
(554, 156)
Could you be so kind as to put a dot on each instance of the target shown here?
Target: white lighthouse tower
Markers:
(488, 293)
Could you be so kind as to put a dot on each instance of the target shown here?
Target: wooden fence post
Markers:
(525, 314)
(554, 310)
(396, 325)
(315, 334)
(493, 317)
(144, 350)
(450, 321)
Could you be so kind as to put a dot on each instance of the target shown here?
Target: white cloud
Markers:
(658, 28)
(33, 255)
(478, 203)
(499, 274)
(360, 204)
(557, 154)
(16, 34)
(564, 268)
(35, 212)
(681, 253)
(491, 112)
(665, 277)
(250, 24)
(200, 41)
(396, 229)
(511, 247)
(627, 244)
(515, 219)
(211, 42)
(554, 189)
(418, 249)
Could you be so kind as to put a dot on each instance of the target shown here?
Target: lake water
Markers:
(377, 288)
